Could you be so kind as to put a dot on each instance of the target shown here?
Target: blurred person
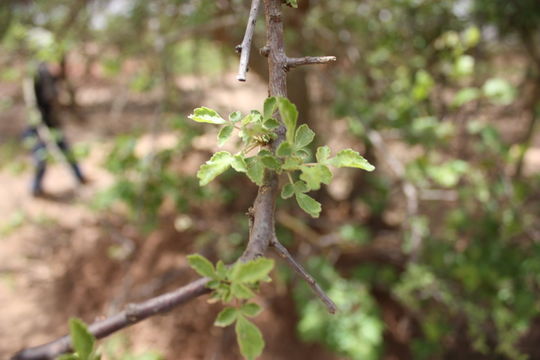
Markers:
(44, 132)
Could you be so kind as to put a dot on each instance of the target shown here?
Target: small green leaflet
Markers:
(224, 134)
(351, 158)
(315, 175)
(239, 163)
(249, 338)
(308, 204)
(206, 115)
(304, 136)
(323, 153)
(241, 291)
(255, 170)
(252, 271)
(202, 265)
(250, 309)
(217, 165)
(269, 107)
(284, 149)
(289, 116)
(226, 317)
(235, 116)
(81, 339)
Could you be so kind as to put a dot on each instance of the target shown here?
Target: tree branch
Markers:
(284, 253)
(309, 60)
(132, 314)
(245, 47)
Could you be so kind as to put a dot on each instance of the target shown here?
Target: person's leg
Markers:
(63, 145)
(39, 155)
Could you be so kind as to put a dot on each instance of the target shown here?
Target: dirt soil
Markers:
(59, 258)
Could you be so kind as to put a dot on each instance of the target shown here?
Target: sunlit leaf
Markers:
(250, 309)
(217, 165)
(308, 204)
(249, 338)
(255, 170)
(224, 134)
(202, 265)
(82, 340)
(289, 116)
(206, 115)
(315, 175)
(269, 107)
(252, 271)
(304, 136)
(351, 158)
(226, 317)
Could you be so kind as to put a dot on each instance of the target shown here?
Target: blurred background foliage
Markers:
(436, 254)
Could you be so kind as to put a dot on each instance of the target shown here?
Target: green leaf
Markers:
(235, 116)
(351, 158)
(300, 187)
(241, 291)
(465, 95)
(226, 317)
(255, 170)
(304, 136)
(250, 309)
(315, 175)
(284, 149)
(249, 338)
(323, 154)
(213, 284)
(269, 107)
(202, 266)
(289, 116)
(81, 339)
(221, 270)
(292, 163)
(239, 163)
(271, 123)
(252, 271)
(217, 165)
(224, 134)
(206, 115)
(271, 162)
(308, 204)
(287, 191)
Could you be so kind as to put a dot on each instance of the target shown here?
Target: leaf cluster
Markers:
(292, 155)
(235, 285)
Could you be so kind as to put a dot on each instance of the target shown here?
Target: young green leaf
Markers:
(271, 123)
(241, 291)
(323, 153)
(271, 162)
(351, 158)
(255, 170)
(221, 270)
(292, 163)
(284, 149)
(250, 309)
(252, 271)
(289, 116)
(304, 136)
(249, 338)
(315, 175)
(287, 191)
(239, 163)
(235, 116)
(81, 339)
(300, 187)
(202, 266)
(217, 165)
(206, 115)
(269, 107)
(224, 134)
(226, 317)
(308, 204)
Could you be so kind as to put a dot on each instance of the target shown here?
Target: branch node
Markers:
(264, 51)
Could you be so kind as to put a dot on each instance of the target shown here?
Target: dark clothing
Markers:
(46, 97)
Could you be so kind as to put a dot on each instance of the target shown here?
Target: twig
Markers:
(132, 314)
(309, 60)
(284, 253)
(245, 47)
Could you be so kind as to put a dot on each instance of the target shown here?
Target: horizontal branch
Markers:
(309, 60)
(284, 253)
(245, 47)
(132, 314)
